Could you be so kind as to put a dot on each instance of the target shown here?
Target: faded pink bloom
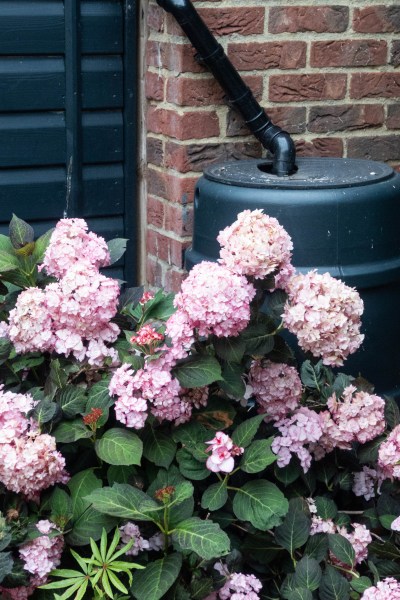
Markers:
(147, 336)
(43, 554)
(359, 538)
(395, 526)
(131, 407)
(223, 451)
(365, 482)
(240, 587)
(71, 244)
(389, 455)
(31, 326)
(320, 525)
(13, 410)
(388, 589)
(300, 430)
(254, 245)
(276, 387)
(180, 333)
(324, 314)
(215, 300)
(131, 530)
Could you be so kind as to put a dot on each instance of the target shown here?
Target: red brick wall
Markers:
(326, 72)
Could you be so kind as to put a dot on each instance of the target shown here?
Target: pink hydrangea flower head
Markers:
(215, 300)
(43, 554)
(223, 451)
(72, 244)
(13, 410)
(387, 589)
(240, 587)
(359, 538)
(300, 430)
(389, 455)
(395, 526)
(324, 314)
(131, 530)
(30, 323)
(276, 387)
(366, 481)
(254, 245)
(180, 333)
(130, 407)
(320, 525)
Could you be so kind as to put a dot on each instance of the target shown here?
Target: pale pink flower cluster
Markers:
(359, 538)
(324, 314)
(302, 429)
(4, 327)
(131, 530)
(223, 451)
(240, 587)
(72, 315)
(276, 387)
(365, 482)
(388, 589)
(320, 525)
(356, 417)
(395, 525)
(389, 455)
(147, 336)
(72, 244)
(131, 407)
(215, 300)
(29, 461)
(42, 554)
(180, 333)
(254, 245)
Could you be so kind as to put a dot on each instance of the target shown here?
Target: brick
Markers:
(154, 151)
(377, 19)
(155, 212)
(197, 125)
(165, 248)
(291, 118)
(154, 86)
(171, 186)
(297, 88)
(323, 119)
(155, 17)
(179, 218)
(375, 85)
(196, 157)
(174, 57)
(325, 147)
(348, 53)
(321, 19)
(393, 117)
(188, 91)
(395, 54)
(268, 55)
(154, 272)
(173, 279)
(226, 20)
(374, 148)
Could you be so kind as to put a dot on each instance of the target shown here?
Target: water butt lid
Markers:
(310, 173)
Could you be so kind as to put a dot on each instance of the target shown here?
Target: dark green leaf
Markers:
(122, 500)
(200, 588)
(203, 537)
(294, 531)
(6, 564)
(198, 371)
(258, 456)
(44, 411)
(41, 246)
(232, 380)
(258, 339)
(261, 503)
(308, 574)
(21, 233)
(26, 361)
(215, 496)
(161, 307)
(72, 401)
(120, 474)
(157, 578)
(116, 248)
(317, 546)
(288, 474)
(61, 507)
(159, 447)
(326, 508)
(361, 584)
(131, 296)
(300, 594)
(334, 586)
(5, 349)
(385, 550)
(312, 375)
(230, 349)
(56, 380)
(119, 446)
(392, 412)
(261, 547)
(245, 432)
(190, 467)
(341, 548)
(368, 453)
(71, 431)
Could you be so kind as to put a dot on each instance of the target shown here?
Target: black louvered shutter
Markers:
(67, 116)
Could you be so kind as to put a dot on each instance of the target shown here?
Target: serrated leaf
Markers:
(245, 432)
(341, 548)
(232, 380)
(326, 508)
(72, 401)
(122, 500)
(41, 245)
(71, 431)
(308, 574)
(61, 507)
(360, 584)
(44, 411)
(368, 453)
(258, 340)
(8, 262)
(230, 349)
(158, 447)
(317, 546)
(203, 537)
(157, 578)
(21, 233)
(116, 248)
(215, 496)
(198, 371)
(288, 474)
(6, 564)
(334, 586)
(300, 594)
(294, 531)
(119, 446)
(311, 375)
(261, 503)
(190, 467)
(258, 456)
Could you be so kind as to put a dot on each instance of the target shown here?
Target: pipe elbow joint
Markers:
(284, 154)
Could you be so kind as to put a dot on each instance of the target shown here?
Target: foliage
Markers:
(172, 507)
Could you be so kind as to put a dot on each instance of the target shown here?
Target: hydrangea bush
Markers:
(160, 447)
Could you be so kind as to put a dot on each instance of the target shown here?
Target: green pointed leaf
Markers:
(203, 537)
(71, 431)
(230, 349)
(258, 339)
(159, 448)
(119, 447)
(61, 507)
(360, 584)
(294, 531)
(317, 546)
(157, 578)
(56, 380)
(6, 564)
(258, 456)
(326, 508)
(232, 380)
(245, 432)
(341, 548)
(99, 397)
(198, 371)
(261, 547)
(368, 453)
(200, 588)
(300, 594)
(215, 496)
(261, 503)
(72, 401)
(308, 574)
(116, 248)
(5, 244)
(334, 586)
(122, 500)
(160, 308)
(121, 474)
(21, 233)
(41, 245)
(288, 474)
(392, 412)
(8, 262)
(190, 467)
(312, 375)
(44, 411)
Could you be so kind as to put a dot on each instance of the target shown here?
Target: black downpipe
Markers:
(211, 53)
